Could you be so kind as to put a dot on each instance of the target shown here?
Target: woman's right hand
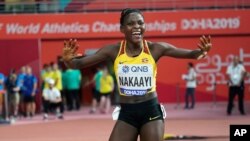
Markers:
(69, 51)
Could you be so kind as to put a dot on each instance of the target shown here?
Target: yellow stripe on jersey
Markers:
(136, 76)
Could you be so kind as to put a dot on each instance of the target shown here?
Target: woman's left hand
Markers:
(69, 50)
(205, 45)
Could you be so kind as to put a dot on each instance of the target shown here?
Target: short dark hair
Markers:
(126, 12)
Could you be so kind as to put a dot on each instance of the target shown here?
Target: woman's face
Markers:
(133, 27)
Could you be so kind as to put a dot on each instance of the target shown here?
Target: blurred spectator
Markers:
(20, 81)
(49, 5)
(13, 95)
(43, 71)
(235, 73)
(18, 6)
(107, 87)
(64, 86)
(190, 79)
(96, 89)
(20, 77)
(72, 82)
(47, 73)
(2, 91)
(43, 5)
(57, 77)
(52, 100)
(29, 91)
(54, 6)
(63, 4)
(2, 6)
(29, 6)
(13, 6)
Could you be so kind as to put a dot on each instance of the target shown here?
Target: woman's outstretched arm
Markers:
(204, 46)
(71, 59)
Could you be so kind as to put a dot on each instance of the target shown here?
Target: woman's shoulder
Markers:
(112, 49)
(157, 44)
(157, 48)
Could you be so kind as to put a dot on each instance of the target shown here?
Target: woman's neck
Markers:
(133, 49)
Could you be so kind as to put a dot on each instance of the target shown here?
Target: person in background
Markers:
(2, 91)
(42, 75)
(57, 77)
(65, 91)
(20, 80)
(13, 95)
(191, 84)
(235, 73)
(47, 73)
(107, 87)
(96, 90)
(73, 83)
(52, 100)
(29, 92)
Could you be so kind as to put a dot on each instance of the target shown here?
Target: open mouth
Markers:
(136, 34)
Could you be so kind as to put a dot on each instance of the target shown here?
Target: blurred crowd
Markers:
(32, 6)
(57, 89)
(18, 90)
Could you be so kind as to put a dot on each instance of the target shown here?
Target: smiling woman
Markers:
(135, 68)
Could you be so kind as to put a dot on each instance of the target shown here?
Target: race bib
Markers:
(135, 79)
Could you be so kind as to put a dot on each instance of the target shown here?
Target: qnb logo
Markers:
(125, 69)
(139, 69)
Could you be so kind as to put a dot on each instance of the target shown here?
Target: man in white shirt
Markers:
(190, 79)
(235, 74)
(52, 100)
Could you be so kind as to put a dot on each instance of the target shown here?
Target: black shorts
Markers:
(105, 94)
(96, 94)
(28, 99)
(140, 113)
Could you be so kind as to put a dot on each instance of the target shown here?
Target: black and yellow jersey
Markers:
(136, 76)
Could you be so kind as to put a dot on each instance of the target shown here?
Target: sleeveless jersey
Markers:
(136, 76)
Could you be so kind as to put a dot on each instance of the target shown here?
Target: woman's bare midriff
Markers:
(137, 99)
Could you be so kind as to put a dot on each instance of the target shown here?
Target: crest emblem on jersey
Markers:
(144, 60)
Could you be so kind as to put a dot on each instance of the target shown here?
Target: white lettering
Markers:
(239, 132)
(16, 28)
(99, 26)
(243, 131)
(52, 28)
(161, 26)
(134, 92)
(211, 70)
(210, 23)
